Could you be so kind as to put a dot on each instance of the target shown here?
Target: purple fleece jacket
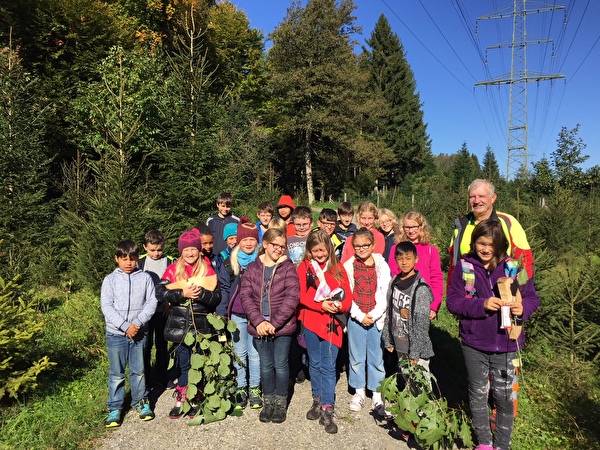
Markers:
(479, 328)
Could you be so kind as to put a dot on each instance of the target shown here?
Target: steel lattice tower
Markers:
(518, 78)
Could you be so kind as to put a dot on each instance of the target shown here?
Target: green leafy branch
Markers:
(418, 411)
(212, 383)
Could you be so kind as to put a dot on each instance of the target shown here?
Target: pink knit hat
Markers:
(189, 238)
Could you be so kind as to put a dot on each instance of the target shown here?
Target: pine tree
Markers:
(403, 128)
(465, 169)
(490, 166)
(25, 206)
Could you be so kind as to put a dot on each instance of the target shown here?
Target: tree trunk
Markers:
(308, 165)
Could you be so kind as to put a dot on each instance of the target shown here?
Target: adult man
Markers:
(482, 196)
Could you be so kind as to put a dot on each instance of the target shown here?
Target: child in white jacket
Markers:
(369, 277)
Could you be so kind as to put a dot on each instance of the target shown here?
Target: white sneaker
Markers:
(356, 402)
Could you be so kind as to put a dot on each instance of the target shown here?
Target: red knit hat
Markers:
(246, 229)
(286, 200)
(189, 238)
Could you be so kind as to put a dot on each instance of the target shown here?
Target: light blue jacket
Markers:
(126, 299)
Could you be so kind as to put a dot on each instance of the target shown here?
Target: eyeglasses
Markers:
(416, 227)
(327, 224)
(362, 247)
(301, 225)
(277, 247)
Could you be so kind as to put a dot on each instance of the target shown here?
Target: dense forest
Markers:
(120, 116)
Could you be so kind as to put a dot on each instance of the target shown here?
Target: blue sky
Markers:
(447, 58)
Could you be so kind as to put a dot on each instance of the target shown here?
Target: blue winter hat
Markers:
(229, 230)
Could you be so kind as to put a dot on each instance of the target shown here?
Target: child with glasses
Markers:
(369, 277)
(414, 228)
(270, 294)
(328, 221)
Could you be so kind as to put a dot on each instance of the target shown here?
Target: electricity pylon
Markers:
(518, 78)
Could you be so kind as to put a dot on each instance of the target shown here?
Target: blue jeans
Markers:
(274, 369)
(244, 349)
(322, 357)
(481, 366)
(123, 351)
(366, 356)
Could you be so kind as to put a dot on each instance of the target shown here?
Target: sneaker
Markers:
(484, 447)
(194, 408)
(143, 408)
(314, 412)
(255, 397)
(356, 402)
(113, 419)
(382, 412)
(241, 399)
(327, 420)
(180, 398)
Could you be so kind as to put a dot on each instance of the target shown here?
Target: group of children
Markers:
(289, 286)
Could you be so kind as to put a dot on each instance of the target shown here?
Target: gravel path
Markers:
(357, 430)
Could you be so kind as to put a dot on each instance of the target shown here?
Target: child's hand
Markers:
(132, 331)
(516, 308)
(265, 329)
(192, 292)
(368, 320)
(329, 307)
(493, 304)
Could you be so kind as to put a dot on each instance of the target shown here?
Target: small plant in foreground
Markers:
(418, 411)
(212, 383)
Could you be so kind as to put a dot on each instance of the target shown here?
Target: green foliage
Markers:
(68, 416)
(571, 325)
(417, 410)
(19, 325)
(212, 383)
(25, 207)
(402, 128)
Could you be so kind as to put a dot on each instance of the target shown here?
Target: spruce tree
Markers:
(403, 128)
(490, 166)
(25, 206)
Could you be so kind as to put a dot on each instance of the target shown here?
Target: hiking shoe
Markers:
(301, 377)
(241, 399)
(255, 397)
(356, 402)
(266, 415)
(327, 420)
(143, 408)
(382, 412)
(314, 412)
(280, 409)
(113, 419)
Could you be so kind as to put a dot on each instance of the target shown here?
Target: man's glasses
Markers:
(277, 246)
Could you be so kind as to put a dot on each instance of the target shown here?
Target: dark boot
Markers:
(327, 420)
(266, 415)
(314, 412)
(280, 411)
